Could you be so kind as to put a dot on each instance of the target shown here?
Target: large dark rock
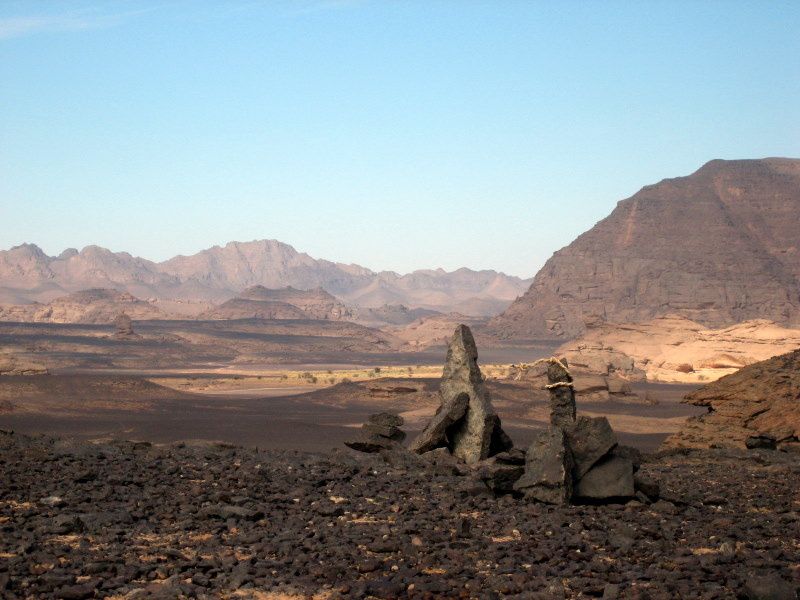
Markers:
(590, 439)
(612, 477)
(465, 422)
(435, 433)
(548, 468)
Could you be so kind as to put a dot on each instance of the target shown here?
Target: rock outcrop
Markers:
(259, 302)
(759, 405)
(465, 422)
(96, 306)
(718, 247)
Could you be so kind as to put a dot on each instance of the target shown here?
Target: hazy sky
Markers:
(396, 135)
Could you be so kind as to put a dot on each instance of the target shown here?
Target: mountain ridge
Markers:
(219, 273)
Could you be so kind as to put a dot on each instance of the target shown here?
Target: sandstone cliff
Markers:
(719, 247)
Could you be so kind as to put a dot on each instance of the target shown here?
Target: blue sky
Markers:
(396, 135)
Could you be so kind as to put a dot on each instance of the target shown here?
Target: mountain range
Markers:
(219, 273)
(720, 246)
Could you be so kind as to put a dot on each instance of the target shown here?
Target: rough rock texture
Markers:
(719, 247)
(574, 449)
(130, 520)
(548, 468)
(612, 477)
(465, 422)
(562, 395)
(590, 439)
(762, 399)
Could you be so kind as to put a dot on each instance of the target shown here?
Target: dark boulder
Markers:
(548, 468)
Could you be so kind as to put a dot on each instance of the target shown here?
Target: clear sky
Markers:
(396, 135)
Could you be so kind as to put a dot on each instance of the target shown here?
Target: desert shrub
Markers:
(346, 380)
(684, 368)
(331, 380)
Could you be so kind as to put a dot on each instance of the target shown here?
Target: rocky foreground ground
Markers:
(131, 520)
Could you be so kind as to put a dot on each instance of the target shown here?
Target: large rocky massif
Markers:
(216, 274)
(719, 247)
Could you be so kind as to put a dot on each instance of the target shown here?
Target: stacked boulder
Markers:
(576, 457)
(465, 422)
(380, 432)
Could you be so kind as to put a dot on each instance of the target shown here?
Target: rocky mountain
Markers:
(258, 302)
(719, 247)
(27, 275)
(98, 306)
(761, 401)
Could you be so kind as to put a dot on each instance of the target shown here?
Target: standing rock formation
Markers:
(562, 394)
(719, 247)
(465, 422)
(574, 457)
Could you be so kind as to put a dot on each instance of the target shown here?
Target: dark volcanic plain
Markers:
(131, 520)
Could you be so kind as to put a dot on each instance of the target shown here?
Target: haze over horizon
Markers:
(393, 136)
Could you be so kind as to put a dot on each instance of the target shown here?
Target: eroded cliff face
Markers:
(718, 247)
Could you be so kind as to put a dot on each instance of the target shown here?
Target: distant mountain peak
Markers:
(219, 273)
